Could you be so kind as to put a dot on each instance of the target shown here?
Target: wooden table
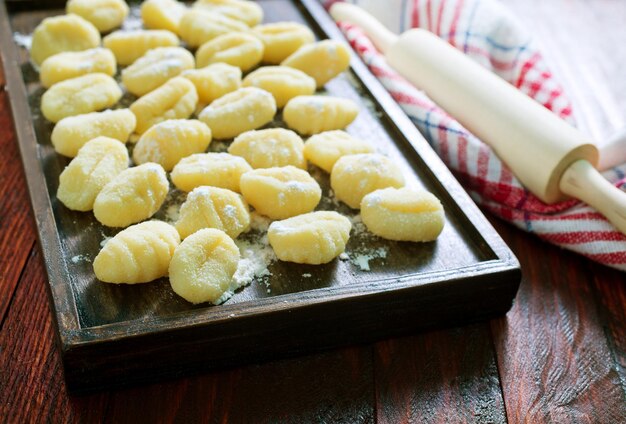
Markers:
(558, 356)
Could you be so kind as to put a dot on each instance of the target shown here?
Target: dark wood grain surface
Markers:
(558, 356)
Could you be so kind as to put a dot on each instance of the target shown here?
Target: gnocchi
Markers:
(198, 26)
(167, 142)
(176, 99)
(324, 149)
(281, 39)
(280, 193)
(132, 196)
(155, 68)
(284, 83)
(245, 109)
(71, 133)
(214, 81)
(203, 266)
(236, 48)
(63, 66)
(209, 169)
(139, 254)
(162, 14)
(213, 207)
(354, 176)
(313, 238)
(403, 214)
(57, 34)
(75, 96)
(314, 114)
(97, 163)
(245, 11)
(274, 147)
(105, 15)
(128, 46)
(323, 60)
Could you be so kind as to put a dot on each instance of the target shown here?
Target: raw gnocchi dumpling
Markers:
(66, 33)
(213, 207)
(284, 83)
(209, 169)
(198, 26)
(245, 109)
(270, 148)
(103, 14)
(128, 46)
(75, 96)
(132, 196)
(280, 193)
(71, 133)
(281, 39)
(66, 65)
(214, 81)
(323, 60)
(138, 254)
(97, 163)
(236, 48)
(245, 11)
(354, 176)
(203, 266)
(326, 148)
(404, 214)
(155, 68)
(162, 14)
(313, 238)
(167, 142)
(176, 99)
(315, 114)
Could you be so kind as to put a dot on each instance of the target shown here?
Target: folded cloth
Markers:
(488, 33)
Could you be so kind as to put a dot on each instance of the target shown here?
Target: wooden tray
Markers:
(116, 335)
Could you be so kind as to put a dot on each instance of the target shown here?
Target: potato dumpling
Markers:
(155, 68)
(198, 26)
(245, 109)
(103, 14)
(97, 163)
(203, 266)
(236, 48)
(128, 46)
(66, 33)
(176, 99)
(209, 169)
(273, 147)
(66, 65)
(75, 96)
(71, 133)
(354, 176)
(315, 114)
(162, 14)
(403, 214)
(245, 11)
(167, 142)
(280, 193)
(281, 39)
(323, 60)
(326, 148)
(313, 238)
(132, 196)
(284, 83)
(213, 207)
(138, 254)
(214, 81)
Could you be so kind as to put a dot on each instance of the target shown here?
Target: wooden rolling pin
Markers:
(551, 158)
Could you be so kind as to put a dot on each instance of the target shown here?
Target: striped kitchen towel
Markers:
(486, 31)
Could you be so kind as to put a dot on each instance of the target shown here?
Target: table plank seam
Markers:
(497, 364)
(19, 280)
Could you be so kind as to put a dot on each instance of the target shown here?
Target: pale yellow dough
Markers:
(210, 169)
(104, 14)
(315, 114)
(247, 12)
(214, 81)
(66, 65)
(198, 26)
(323, 60)
(273, 147)
(326, 148)
(138, 254)
(283, 82)
(313, 238)
(235, 48)
(281, 39)
(162, 14)
(128, 46)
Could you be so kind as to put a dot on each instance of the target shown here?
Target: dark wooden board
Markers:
(112, 334)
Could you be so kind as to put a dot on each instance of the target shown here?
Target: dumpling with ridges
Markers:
(324, 149)
(214, 81)
(315, 114)
(284, 83)
(128, 46)
(66, 65)
(273, 147)
(209, 169)
(103, 14)
(248, 12)
(162, 14)
(323, 60)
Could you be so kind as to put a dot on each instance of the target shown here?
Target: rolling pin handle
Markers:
(382, 38)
